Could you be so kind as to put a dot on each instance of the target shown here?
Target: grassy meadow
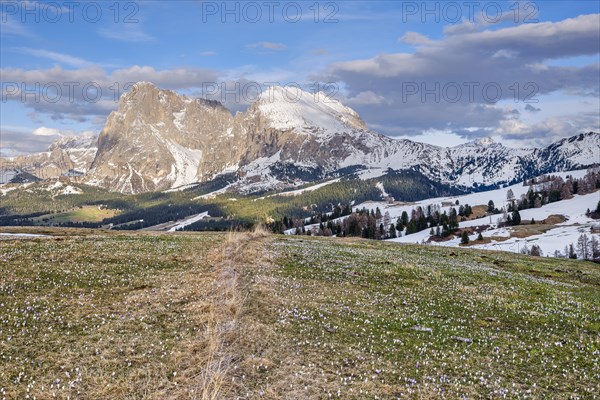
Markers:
(93, 314)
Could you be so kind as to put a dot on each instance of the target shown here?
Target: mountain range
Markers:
(159, 140)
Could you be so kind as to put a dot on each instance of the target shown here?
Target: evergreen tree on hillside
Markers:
(464, 239)
(572, 253)
(392, 232)
(516, 218)
(510, 196)
(535, 250)
(404, 218)
(399, 226)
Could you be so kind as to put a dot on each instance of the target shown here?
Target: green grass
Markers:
(98, 317)
(80, 214)
(374, 320)
(93, 314)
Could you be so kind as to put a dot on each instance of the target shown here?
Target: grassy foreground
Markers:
(213, 316)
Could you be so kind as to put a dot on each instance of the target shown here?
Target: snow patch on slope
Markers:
(307, 189)
(187, 161)
(291, 108)
(189, 221)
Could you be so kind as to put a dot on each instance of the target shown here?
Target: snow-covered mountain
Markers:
(308, 113)
(159, 140)
(68, 156)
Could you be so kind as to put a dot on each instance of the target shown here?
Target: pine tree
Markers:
(387, 220)
(510, 196)
(535, 250)
(392, 232)
(516, 218)
(399, 226)
(465, 237)
(480, 237)
(404, 218)
(594, 248)
(572, 253)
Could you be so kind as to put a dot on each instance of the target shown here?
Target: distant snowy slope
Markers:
(554, 239)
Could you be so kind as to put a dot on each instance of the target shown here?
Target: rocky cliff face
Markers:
(159, 140)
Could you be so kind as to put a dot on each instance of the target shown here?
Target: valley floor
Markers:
(94, 314)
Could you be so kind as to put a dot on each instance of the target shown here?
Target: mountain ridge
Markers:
(159, 140)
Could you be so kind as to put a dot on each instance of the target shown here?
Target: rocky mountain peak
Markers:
(158, 139)
(291, 108)
(486, 141)
(84, 141)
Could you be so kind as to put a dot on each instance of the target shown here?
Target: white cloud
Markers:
(61, 58)
(16, 140)
(363, 98)
(509, 58)
(415, 38)
(75, 103)
(44, 131)
(12, 27)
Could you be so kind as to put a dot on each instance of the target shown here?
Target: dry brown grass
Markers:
(555, 219)
(524, 231)
(226, 304)
(117, 316)
(486, 240)
(478, 212)
(143, 330)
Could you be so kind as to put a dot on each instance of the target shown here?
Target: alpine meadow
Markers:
(299, 200)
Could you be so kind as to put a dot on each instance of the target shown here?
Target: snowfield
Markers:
(288, 108)
(557, 238)
(22, 235)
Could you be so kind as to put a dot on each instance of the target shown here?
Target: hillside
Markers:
(309, 210)
(113, 315)
(555, 225)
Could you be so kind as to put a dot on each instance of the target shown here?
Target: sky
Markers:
(525, 73)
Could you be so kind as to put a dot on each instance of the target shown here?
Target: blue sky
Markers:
(369, 49)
